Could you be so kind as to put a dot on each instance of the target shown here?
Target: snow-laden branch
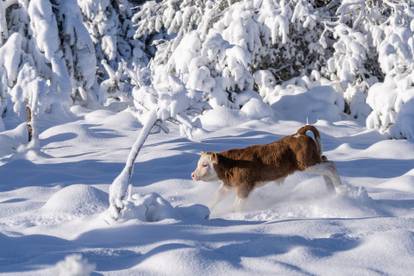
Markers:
(119, 191)
(119, 188)
(165, 100)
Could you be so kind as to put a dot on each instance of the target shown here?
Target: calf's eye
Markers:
(204, 165)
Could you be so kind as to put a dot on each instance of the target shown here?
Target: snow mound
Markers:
(399, 242)
(149, 207)
(222, 116)
(256, 109)
(320, 102)
(402, 183)
(153, 207)
(186, 261)
(77, 200)
(74, 265)
(10, 139)
(386, 243)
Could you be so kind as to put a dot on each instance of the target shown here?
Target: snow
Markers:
(255, 109)
(45, 28)
(53, 204)
(10, 141)
(10, 57)
(317, 103)
(232, 49)
(153, 207)
(77, 200)
(97, 82)
(350, 53)
(74, 265)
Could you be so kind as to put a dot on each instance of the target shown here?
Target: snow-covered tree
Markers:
(47, 59)
(375, 45)
(219, 46)
(227, 52)
(216, 47)
(392, 100)
(61, 37)
(111, 29)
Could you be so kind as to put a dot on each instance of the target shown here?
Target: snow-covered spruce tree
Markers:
(47, 59)
(111, 29)
(21, 85)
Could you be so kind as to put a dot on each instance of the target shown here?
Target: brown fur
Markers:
(245, 168)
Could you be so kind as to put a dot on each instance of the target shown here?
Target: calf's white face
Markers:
(205, 168)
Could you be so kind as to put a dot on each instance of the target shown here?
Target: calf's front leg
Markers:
(220, 194)
(242, 193)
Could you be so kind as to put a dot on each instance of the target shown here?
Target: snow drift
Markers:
(77, 200)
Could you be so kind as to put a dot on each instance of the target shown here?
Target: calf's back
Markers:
(260, 163)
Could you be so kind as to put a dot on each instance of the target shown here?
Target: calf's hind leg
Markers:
(329, 184)
(327, 170)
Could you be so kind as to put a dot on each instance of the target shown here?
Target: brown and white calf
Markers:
(247, 168)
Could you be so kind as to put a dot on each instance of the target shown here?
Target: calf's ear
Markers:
(214, 158)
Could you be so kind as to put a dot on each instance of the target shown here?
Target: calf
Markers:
(247, 168)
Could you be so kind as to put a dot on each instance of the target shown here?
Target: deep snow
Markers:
(53, 202)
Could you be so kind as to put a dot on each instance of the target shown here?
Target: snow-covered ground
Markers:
(52, 203)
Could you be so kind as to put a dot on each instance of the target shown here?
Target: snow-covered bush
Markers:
(392, 100)
(375, 44)
(221, 54)
(393, 106)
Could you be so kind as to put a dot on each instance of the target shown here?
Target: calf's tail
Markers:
(317, 137)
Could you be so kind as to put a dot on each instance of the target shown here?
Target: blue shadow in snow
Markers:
(27, 253)
(101, 133)
(58, 138)
(237, 245)
(23, 173)
(377, 168)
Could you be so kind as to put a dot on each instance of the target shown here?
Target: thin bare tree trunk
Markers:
(29, 118)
